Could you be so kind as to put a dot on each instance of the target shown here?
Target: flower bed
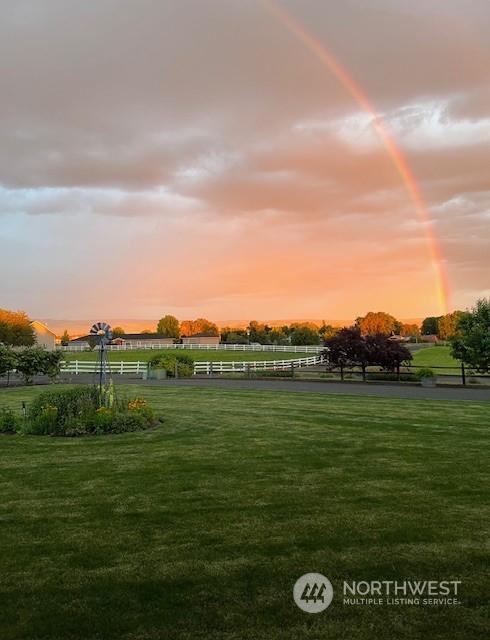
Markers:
(83, 411)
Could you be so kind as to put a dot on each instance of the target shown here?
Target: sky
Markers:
(196, 157)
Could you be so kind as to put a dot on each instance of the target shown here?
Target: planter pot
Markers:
(428, 382)
(157, 374)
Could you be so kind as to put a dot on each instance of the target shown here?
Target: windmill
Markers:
(103, 332)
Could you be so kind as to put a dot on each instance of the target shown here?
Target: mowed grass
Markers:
(199, 355)
(437, 357)
(200, 528)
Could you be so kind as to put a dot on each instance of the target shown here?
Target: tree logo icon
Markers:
(313, 592)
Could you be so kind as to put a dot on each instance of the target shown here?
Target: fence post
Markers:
(463, 374)
(248, 369)
(76, 367)
(292, 369)
(211, 368)
(363, 372)
(176, 370)
(342, 372)
(398, 372)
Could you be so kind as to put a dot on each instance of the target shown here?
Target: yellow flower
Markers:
(102, 410)
(137, 403)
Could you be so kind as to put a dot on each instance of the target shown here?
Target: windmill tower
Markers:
(103, 332)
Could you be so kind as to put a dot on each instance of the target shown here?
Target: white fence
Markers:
(208, 368)
(243, 366)
(82, 366)
(207, 347)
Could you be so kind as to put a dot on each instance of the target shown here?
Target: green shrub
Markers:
(183, 362)
(9, 421)
(272, 374)
(185, 370)
(68, 402)
(37, 361)
(185, 358)
(424, 373)
(390, 377)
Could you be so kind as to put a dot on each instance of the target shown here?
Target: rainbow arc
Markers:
(330, 62)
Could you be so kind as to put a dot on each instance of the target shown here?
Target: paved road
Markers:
(371, 389)
(346, 388)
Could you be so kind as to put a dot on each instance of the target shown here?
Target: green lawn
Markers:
(199, 529)
(434, 356)
(200, 355)
(437, 357)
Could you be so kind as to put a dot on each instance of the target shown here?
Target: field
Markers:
(435, 357)
(199, 355)
(200, 528)
(430, 356)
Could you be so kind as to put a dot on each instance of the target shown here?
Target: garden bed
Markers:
(79, 411)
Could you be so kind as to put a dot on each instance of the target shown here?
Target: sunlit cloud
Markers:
(198, 154)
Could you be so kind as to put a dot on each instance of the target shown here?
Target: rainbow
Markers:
(327, 59)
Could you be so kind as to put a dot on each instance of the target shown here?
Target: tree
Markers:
(447, 327)
(385, 353)
(169, 327)
(235, 338)
(471, 344)
(430, 326)
(304, 335)
(346, 348)
(118, 332)
(51, 363)
(258, 332)
(327, 331)
(16, 329)
(376, 322)
(232, 335)
(7, 361)
(30, 362)
(278, 336)
(201, 325)
(409, 330)
(300, 325)
(65, 339)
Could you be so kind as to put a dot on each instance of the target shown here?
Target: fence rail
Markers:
(208, 368)
(405, 373)
(81, 366)
(205, 347)
(242, 366)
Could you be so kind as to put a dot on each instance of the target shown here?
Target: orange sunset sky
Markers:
(240, 159)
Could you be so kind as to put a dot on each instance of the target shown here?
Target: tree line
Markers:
(367, 343)
(467, 331)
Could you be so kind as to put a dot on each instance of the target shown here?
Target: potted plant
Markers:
(426, 377)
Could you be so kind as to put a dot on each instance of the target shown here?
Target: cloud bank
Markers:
(195, 158)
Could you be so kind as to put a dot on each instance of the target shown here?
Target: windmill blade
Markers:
(101, 329)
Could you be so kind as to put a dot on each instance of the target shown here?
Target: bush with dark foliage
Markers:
(348, 348)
